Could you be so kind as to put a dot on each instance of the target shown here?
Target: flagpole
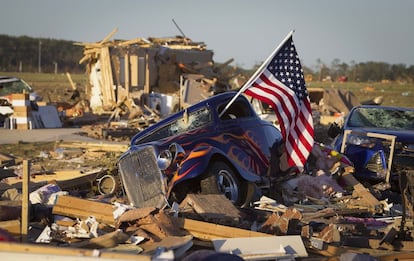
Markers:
(258, 71)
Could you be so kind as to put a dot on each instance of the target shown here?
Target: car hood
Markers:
(405, 136)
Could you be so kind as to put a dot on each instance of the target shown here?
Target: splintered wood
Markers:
(212, 208)
(79, 208)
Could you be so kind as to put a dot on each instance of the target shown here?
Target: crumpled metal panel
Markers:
(142, 179)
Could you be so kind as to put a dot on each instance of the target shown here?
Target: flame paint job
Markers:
(245, 142)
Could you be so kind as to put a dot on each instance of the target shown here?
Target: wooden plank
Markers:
(93, 146)
(58, 253)
(109, 36)
(72, 84)
(209, 231)
(107, 240)
(212, 207)
(25, 200)
(147, 88)
(397, 256)
(82, 208)
(169, 243)
(66, 179)
(107, 82)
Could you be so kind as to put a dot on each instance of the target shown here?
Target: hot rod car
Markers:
(198, 150)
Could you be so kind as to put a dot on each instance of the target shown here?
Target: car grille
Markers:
(142, 179)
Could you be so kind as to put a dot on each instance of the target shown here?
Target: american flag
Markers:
(281, 85)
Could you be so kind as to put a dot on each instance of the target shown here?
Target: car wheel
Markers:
(221, 179)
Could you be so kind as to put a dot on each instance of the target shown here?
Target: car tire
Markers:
(221, 179)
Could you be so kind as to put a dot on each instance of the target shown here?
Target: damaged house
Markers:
(155, 72)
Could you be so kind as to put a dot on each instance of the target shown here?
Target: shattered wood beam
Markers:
(65, 179)
(109, 36)
(81, 208)
(108, 240)
(72, 84)
(139, 41)
(25, 200)
(92, 51)
(89, 45)
(96, 146)
(53, 252)
(107, 83)
(212, 208)
(84, 59)
(210, 231)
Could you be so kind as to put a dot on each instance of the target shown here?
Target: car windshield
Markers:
(385, 118)
(13, 85)
(183, 124)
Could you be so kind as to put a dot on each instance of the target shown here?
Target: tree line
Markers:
(362, 72)
(27, 54)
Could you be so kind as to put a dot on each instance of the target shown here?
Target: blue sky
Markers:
(248, 31)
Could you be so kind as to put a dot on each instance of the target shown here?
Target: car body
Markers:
(10, 85)
(379, 140)
(196, 150)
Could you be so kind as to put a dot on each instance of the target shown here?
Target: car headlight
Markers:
(361, 141)
(164, 159)
(171, 157)
(377, 163)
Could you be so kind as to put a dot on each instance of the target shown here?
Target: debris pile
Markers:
(315, 216)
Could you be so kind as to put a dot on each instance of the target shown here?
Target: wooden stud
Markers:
(25, 200)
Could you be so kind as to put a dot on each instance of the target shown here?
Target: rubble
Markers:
(335, 219)
(305, 229)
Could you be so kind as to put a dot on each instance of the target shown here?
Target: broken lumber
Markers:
(72, 84)
(169, 243)
(25, 214)
(81, 208)
(365, 197)
(107, 240)
(93, 146)
(215, 208)
(20, 251)
(65, 179)
(208, 231)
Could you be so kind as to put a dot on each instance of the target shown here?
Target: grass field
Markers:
(52, 87)
(58, 88)
(395, 94)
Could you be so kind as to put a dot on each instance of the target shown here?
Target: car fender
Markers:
(197, 161)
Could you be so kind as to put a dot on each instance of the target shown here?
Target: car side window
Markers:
(190, 121)
(183, 124)
(238, 109)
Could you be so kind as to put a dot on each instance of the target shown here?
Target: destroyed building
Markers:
(154, 72)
